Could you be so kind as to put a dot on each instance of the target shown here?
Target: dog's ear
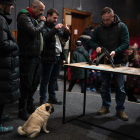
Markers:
(47, 108)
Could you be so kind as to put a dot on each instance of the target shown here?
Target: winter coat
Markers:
(49, 32)
(133, 80)
(79, 55)
(29, 34)
(9, 63)
(85, 41)
(113, 38)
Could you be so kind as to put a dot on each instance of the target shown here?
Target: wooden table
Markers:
(101, 67)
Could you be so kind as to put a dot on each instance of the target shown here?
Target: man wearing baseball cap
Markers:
(9, 66)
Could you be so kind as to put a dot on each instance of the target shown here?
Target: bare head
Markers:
(107, 15)
(52, 15)
(37, 7)
(136, 45)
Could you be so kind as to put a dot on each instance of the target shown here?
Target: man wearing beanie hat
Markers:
(9, 66)
(79, 55)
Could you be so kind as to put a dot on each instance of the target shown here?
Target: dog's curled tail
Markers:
(20, 131)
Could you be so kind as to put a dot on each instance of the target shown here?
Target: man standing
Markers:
(113, 35)
(52, 56)
(9, 62)
(30, 41)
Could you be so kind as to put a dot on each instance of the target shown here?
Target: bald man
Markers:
(30, 24)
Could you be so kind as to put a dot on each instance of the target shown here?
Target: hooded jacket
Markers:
(85, 38)
(113, 38)
(79, 55)
(9, 63)
(29, 34)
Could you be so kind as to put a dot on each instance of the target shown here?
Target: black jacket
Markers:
(9, 63)
(113, 38)
(29, 34)
(48, 54)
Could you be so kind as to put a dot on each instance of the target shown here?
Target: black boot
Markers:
(22, 114)
(30, 108)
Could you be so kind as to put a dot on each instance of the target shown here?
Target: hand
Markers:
(43, 18)
(59, 26)
(93, 71)
(66, 28)
(112, 54)
(98, 50)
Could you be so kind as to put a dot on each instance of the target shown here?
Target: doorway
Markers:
(79, 21)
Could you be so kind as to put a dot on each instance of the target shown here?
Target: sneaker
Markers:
(88, 89)
(121, 115)
(31, 108)
(137, 101)
(5, 118)
(6, 128)
(94, 89)
(22, 114)
(103, 111)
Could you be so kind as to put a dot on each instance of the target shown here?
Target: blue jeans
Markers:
(90, 51)
(49, 76)
(97, 81)
(119, 88)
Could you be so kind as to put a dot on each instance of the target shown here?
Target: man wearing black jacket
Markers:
(30, 41)
(52, 56)
(9, 62)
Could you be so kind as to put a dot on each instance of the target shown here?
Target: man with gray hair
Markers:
(113, 35)
(30, 24)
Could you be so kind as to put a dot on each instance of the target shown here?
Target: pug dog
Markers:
(36, 121)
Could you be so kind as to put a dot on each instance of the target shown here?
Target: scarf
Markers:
(31, 13)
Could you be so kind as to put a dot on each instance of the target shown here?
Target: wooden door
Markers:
(77, 24)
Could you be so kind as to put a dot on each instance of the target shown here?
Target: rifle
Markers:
(104, 52)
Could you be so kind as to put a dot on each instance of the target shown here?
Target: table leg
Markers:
(64, 94)
(84, 106)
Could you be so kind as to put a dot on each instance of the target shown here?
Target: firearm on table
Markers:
(106, 53)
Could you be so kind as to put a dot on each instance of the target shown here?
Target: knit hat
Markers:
(7, 1)
(78, 43)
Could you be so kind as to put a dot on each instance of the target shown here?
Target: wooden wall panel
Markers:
(95, 24)
(133, 27)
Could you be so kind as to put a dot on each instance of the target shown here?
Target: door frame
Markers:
(87, 21)
(86, 16)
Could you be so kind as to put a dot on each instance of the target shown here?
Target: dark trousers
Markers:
(73, 82)
(97, 81)
(49, 77)
(130, 94)
(30, 71)
(1, 111)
